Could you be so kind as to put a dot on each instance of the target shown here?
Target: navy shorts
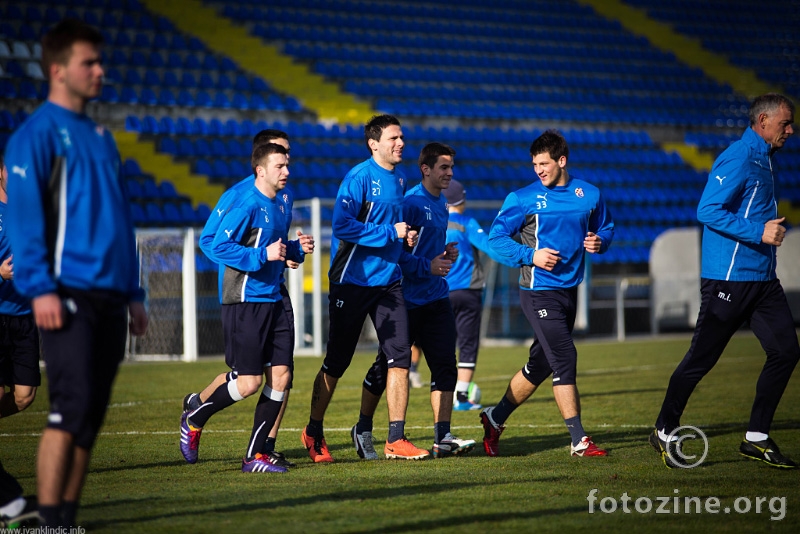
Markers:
(256, 334)
(467, 307)
(19, 351)
(82, 360)
(432, 328)
(552, 315)
(349, 306)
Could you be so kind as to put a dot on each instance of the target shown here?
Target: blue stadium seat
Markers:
(134, 189)
(171, 213)
(150, 189)
(153, 214)
(131, 168)
(138, 215)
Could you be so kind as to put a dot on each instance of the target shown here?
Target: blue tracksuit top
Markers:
(11, 302)
(467, 271)
(368, 205)
(557, 218)
(69, 215)
(739, 198)
(427, 215)
(294, 251)
(252, 223)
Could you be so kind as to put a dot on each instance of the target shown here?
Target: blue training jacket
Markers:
(739, 198)
(368, 205)
(467, 271)
(558, 218)
(252, 223)
(294, 251)
(69, 212)
(11, 302)
(427, 215)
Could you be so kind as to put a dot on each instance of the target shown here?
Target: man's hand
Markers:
(48, 312)
(546, 258)
(276, 251)
(451, 249)
(7, 268)
(412, 238)
(292, 264)
(592, 242)
(440, 265)
(306, 242)
(138, 319)
(402, 230)
(774, 232)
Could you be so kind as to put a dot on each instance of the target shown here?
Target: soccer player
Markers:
(365, 281)
(19, 363)
(558, 218)
(69, 223)
(466, 281)
(258, 337)
(432, 325)
(193, 401)
(741, 233)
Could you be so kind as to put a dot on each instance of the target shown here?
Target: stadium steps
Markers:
(688, 50)
(162, 167)
(221, 34)
(698, 160)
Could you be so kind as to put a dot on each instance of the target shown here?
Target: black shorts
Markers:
(19, 351)
(552, 315)
(349, 305)
(432, 328)
(467, 307)
(82, 360)
(256, 334)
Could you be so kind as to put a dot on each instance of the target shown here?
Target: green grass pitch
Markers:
(139, 482)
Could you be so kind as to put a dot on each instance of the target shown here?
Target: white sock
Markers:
(755, 436)
(14, 508)
(662, 435)
(462, 386)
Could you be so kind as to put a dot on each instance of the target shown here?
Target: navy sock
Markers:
(364, 423)
(397, 430)
(69, 509)
(51, 516)
(219, 400)
(442, 428)
(412, 368)
(503, 410)
(269, 446)
(314, 428)
(575, 429)
(264, 419)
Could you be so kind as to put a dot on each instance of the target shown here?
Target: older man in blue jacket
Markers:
(742, 231)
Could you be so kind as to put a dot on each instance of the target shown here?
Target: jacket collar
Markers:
(756, 142)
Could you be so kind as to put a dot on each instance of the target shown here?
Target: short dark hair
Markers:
(2, 160)
(768, 103)
(57, 43)
(550, 142)
(431, 152)
(262, 152)
(376, 125)
(267, 136)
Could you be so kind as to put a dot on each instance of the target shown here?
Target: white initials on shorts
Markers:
(339, 303)
(542, 313)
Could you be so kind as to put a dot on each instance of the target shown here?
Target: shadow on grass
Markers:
(361, 496)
